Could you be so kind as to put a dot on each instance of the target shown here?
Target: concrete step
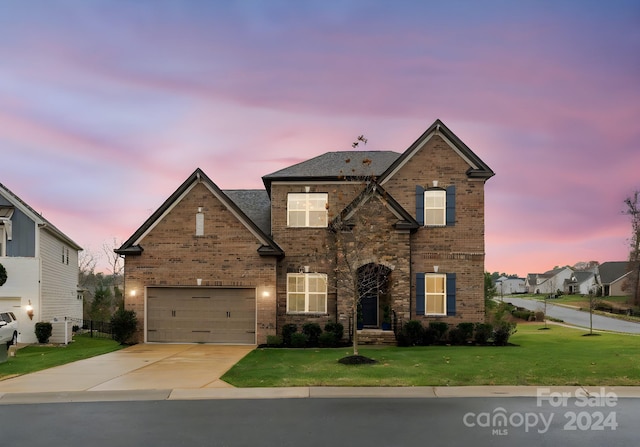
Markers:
(376, 337)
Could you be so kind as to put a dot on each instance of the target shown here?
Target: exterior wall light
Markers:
(29, 309)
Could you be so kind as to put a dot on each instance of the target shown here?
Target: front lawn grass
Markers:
(560, 356)
(35, 358)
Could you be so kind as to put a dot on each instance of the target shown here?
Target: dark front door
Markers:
(372, 282)
(369, 309)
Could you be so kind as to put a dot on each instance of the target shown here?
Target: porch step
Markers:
(376, 337)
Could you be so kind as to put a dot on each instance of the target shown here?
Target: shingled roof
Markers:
(335, 166)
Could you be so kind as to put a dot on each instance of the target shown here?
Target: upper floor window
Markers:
(307, 292)
(307, 209)
(435, 208)
(65, 255)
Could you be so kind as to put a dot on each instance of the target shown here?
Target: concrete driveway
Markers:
(139, 367)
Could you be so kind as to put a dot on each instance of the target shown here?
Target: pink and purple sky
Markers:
(107, 106)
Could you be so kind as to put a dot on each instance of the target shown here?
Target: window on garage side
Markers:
(306, 293)
(307, 209)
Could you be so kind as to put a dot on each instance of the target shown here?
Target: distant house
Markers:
(612, 277)
(549, 282)
(581, 283)
(509, 286)
(41, 264)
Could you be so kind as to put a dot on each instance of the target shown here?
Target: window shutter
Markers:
(420, 298)
(451, 294)
(451, 205)
(420, 204)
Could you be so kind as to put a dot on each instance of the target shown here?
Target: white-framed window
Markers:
(435, 207)
(435, 288)
(306, 293)
(307, 209)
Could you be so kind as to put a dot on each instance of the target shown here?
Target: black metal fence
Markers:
(95, 329)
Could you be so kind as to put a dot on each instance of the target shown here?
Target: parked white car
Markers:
(8, 328)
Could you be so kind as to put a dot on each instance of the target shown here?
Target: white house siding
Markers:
(22, 286)
(59, 280)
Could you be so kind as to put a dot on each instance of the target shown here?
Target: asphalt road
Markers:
(577, 317)
(324, 422)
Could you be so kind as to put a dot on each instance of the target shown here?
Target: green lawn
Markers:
(559, 356)
(35, 358)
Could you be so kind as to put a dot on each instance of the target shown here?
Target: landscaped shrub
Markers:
(467, 330)
(123, 325)
(502, 333)
(429, 336)
(287, 331)
(327, 340)
(43, 331)
(299, 340)
(274, 341)
(336, 328)
(440, 327)
(456, 336)
(483, 333)
(312, 331)
(411, 334)
(540, 316)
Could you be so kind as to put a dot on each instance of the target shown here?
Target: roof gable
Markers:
(32, 214)
(371, 191)
(269, 247)
(477, 168)
(612, 271)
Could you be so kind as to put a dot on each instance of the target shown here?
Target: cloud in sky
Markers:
(106, 107)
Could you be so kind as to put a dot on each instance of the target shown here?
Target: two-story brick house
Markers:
(234, 266)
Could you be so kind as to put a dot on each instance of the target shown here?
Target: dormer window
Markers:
(307, 210)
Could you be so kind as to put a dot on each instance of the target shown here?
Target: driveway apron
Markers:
(139, 367)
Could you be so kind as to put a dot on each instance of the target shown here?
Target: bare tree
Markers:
(116, 270)
(357, 272)
(632, 284)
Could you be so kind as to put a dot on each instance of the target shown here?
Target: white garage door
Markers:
(201, 315)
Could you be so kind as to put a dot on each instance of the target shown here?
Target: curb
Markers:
(310, 393)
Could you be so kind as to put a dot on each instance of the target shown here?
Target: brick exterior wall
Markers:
(226, 256)
(454, 249)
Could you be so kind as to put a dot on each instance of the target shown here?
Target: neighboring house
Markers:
(235, 266)
(548, 283)
(582, 282)
(41, 264)
(509, 286)
(612, 277)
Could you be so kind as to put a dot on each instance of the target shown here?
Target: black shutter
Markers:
(420, 294)
(451, 205)
(420, 204)
(451, 294)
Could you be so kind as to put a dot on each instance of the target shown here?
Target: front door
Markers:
(369, 309)
(372, 283)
